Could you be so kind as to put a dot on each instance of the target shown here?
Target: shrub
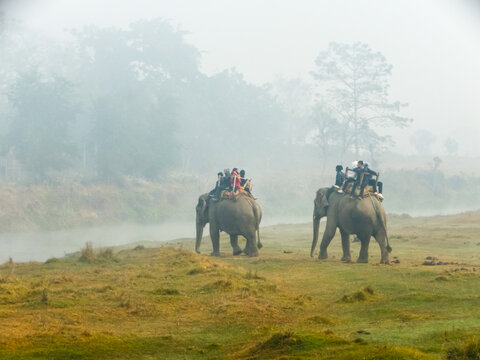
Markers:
(87, 255)
(106, 253)
(51, 260)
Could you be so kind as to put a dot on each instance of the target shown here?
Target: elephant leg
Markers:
(251, 248)
(345, 246)
(328, 235)
(364, 241)
(316, 226)
(234, 242)
(215, 236)
(382, 242)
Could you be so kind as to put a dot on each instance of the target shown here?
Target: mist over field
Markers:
(123, 113)
(116, 118)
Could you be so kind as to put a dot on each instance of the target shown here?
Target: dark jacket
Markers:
(339, 178)
(369, 173)
(358, 175)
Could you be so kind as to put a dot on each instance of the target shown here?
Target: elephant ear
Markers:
(321, 201)
(326, 192)
(202, 207)
(324, 201)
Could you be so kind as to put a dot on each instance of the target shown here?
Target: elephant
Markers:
(364, 217)
(241, 216)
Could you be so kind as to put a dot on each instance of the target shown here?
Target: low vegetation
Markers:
(170, 303)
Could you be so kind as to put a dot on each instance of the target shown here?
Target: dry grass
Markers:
(168, 303)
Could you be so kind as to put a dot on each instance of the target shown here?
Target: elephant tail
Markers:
(382, 221)
(257, 221)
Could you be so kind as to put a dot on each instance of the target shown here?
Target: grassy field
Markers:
(170, 303)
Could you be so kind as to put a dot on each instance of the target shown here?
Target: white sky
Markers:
(433, 45)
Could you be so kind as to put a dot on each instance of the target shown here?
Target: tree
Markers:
(327, 132)
(451, 146)
(134, 137)
(295, 96)
(353, 82)
(39, 131)
(422, 140)
(228, 120)
(135, 80)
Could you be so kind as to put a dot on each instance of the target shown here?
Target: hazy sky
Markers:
(433, 45)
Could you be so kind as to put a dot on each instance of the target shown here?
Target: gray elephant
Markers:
(365, 218)
(241, 216)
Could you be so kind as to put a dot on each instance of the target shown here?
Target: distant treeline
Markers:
(105, 104)
(115, 106)
(112, 103)
(34, 207)
(430, 191)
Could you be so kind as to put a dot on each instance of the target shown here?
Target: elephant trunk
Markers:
(199, 235)
(316, 225)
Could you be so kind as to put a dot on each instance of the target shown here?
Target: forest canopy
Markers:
(110, 103)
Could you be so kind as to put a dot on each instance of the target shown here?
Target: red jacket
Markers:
(235, 180)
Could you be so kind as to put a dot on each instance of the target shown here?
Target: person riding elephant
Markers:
(215, 193)
(241, 216)
(364, 218)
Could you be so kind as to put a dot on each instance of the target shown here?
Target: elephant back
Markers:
(237, 215)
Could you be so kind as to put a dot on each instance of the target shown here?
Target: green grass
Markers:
(169, 303)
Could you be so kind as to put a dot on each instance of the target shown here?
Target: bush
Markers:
(469, 350)
(87, 255)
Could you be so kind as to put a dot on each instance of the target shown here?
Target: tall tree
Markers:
(327, 133)
(135, 79)
(422, 140)
(133, 134)
(353, 82)
(451, 146)
(39, 131)
(296, 98)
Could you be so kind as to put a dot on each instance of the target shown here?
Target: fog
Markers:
(49, 244)
(433, 45)
(118, 113)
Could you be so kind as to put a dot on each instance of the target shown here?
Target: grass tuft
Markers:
(359, 341)
(219, 285)
(162, 291)
(321, 320)
(253, 276)
(197, 270)
(469, 350)
(360, 295)
(45, 296)
(280, 340)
